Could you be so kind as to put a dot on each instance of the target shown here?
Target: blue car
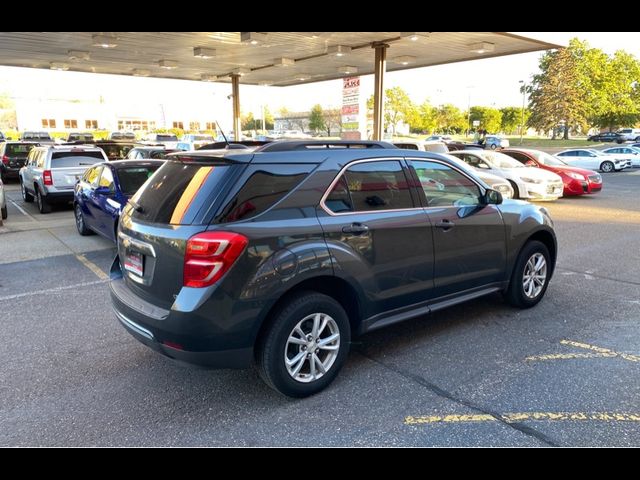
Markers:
(104, 190)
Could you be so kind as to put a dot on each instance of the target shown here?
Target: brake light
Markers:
(47, 178)
(209, 255)
(5, 160)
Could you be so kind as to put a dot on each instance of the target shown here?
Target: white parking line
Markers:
(51, 290)
(23, 211)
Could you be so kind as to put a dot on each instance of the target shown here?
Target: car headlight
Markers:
(577, 176)
(505, 190)
(530, 180)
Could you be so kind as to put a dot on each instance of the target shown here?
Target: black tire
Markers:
(607, 167)
(515, 293)
(637, 139)
(80, 223)
(271, 351)
(4, 213)
(493, 146)
(26, 196)
(43, 206)
(516, 192)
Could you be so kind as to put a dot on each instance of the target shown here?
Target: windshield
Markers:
(166, 138)
(546, 159)
(203, 137)
(500, 160)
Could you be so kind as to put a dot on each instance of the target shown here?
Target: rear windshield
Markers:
(75, 159)
(116, 151)
(166, 138)
(16, 150)
(132, 178)
(177, 191)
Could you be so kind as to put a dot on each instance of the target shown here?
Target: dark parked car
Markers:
(606, 137)
(13, 156)
(80, 137)
(104, 190)
(158, 152)
(280, 256)
(454, 146)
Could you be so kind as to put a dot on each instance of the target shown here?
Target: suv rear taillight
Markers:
(47, 178)
(5, 160)
(209, 255)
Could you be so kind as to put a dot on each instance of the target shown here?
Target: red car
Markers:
(577, 181)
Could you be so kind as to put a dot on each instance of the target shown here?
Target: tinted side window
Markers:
(259, 188)
(406, 146)
(378, 186)
(518, 156)
(444, 186)
(339, 199)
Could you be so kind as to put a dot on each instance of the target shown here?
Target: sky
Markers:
(486, 82)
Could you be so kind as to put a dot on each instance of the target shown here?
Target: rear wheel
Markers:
(43, 206)
(4, 213)
(80, 224)
(607, 166)
(530, 276)
(305, 345)
(26, 196)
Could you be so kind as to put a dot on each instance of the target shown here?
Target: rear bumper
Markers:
(182, 336)
(59, 197)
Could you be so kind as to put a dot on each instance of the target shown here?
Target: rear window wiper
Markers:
(136, 206)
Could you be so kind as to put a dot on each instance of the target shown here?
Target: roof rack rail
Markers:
(292, 145)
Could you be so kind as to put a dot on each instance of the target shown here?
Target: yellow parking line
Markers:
(93, 267)
(524, 416)
(626, 356)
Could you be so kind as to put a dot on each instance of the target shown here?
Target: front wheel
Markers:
(493, 146)
(607, 166)
(26, 196)
(530, 276)
(4, 213)
(305, 345)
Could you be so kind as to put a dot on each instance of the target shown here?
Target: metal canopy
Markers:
(276, 58)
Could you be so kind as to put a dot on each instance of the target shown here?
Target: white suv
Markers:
(51, 173)
(627, 134)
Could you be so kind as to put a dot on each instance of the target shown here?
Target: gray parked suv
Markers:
(280, 256)
(51, 173)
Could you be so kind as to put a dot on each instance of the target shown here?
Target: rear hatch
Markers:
(177, 202)
(68, 167)
(17, 153)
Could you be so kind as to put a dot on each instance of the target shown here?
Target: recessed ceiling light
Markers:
(140, 72)
(404, 59)
(346, 69)
(206, 77)
(338, 50)
(58, 66)
(78, 55)
(284, 62)
(253, 38)
(104, 41)
(482, 47)
(413, 36)
(168, 64)
(204, 52)
(240, 71)
(303, 76)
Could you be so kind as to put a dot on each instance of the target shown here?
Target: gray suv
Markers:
(280, 256)
(51, 173)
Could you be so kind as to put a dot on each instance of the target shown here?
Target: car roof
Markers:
(298, 145)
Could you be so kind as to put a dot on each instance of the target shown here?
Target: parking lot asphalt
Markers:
(564, 373)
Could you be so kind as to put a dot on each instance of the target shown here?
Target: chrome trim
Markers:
(134, 326)
(143, 246)
(343, 169)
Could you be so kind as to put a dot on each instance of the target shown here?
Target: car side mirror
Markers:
(530, 163)
(492, 197)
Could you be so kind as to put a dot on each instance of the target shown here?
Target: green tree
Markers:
(426, 117)
(398, 108)
(332, 120)
(316, 118)
(449, 119)
(247, 122)
(512, 119)
(490, 118)
(563, 93)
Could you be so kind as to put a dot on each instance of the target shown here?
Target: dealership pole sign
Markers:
(352, 109)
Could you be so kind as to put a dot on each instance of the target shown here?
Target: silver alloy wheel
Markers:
(39, 199)
(607, 167)
(24, 191)
(535, 275)
(312, 347)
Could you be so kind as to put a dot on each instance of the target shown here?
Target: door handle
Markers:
(355, 229)
(445, 224)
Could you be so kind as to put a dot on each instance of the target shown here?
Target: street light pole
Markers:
(469, 110)
(524, 89)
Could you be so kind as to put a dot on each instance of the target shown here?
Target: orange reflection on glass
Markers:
(189, 194)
